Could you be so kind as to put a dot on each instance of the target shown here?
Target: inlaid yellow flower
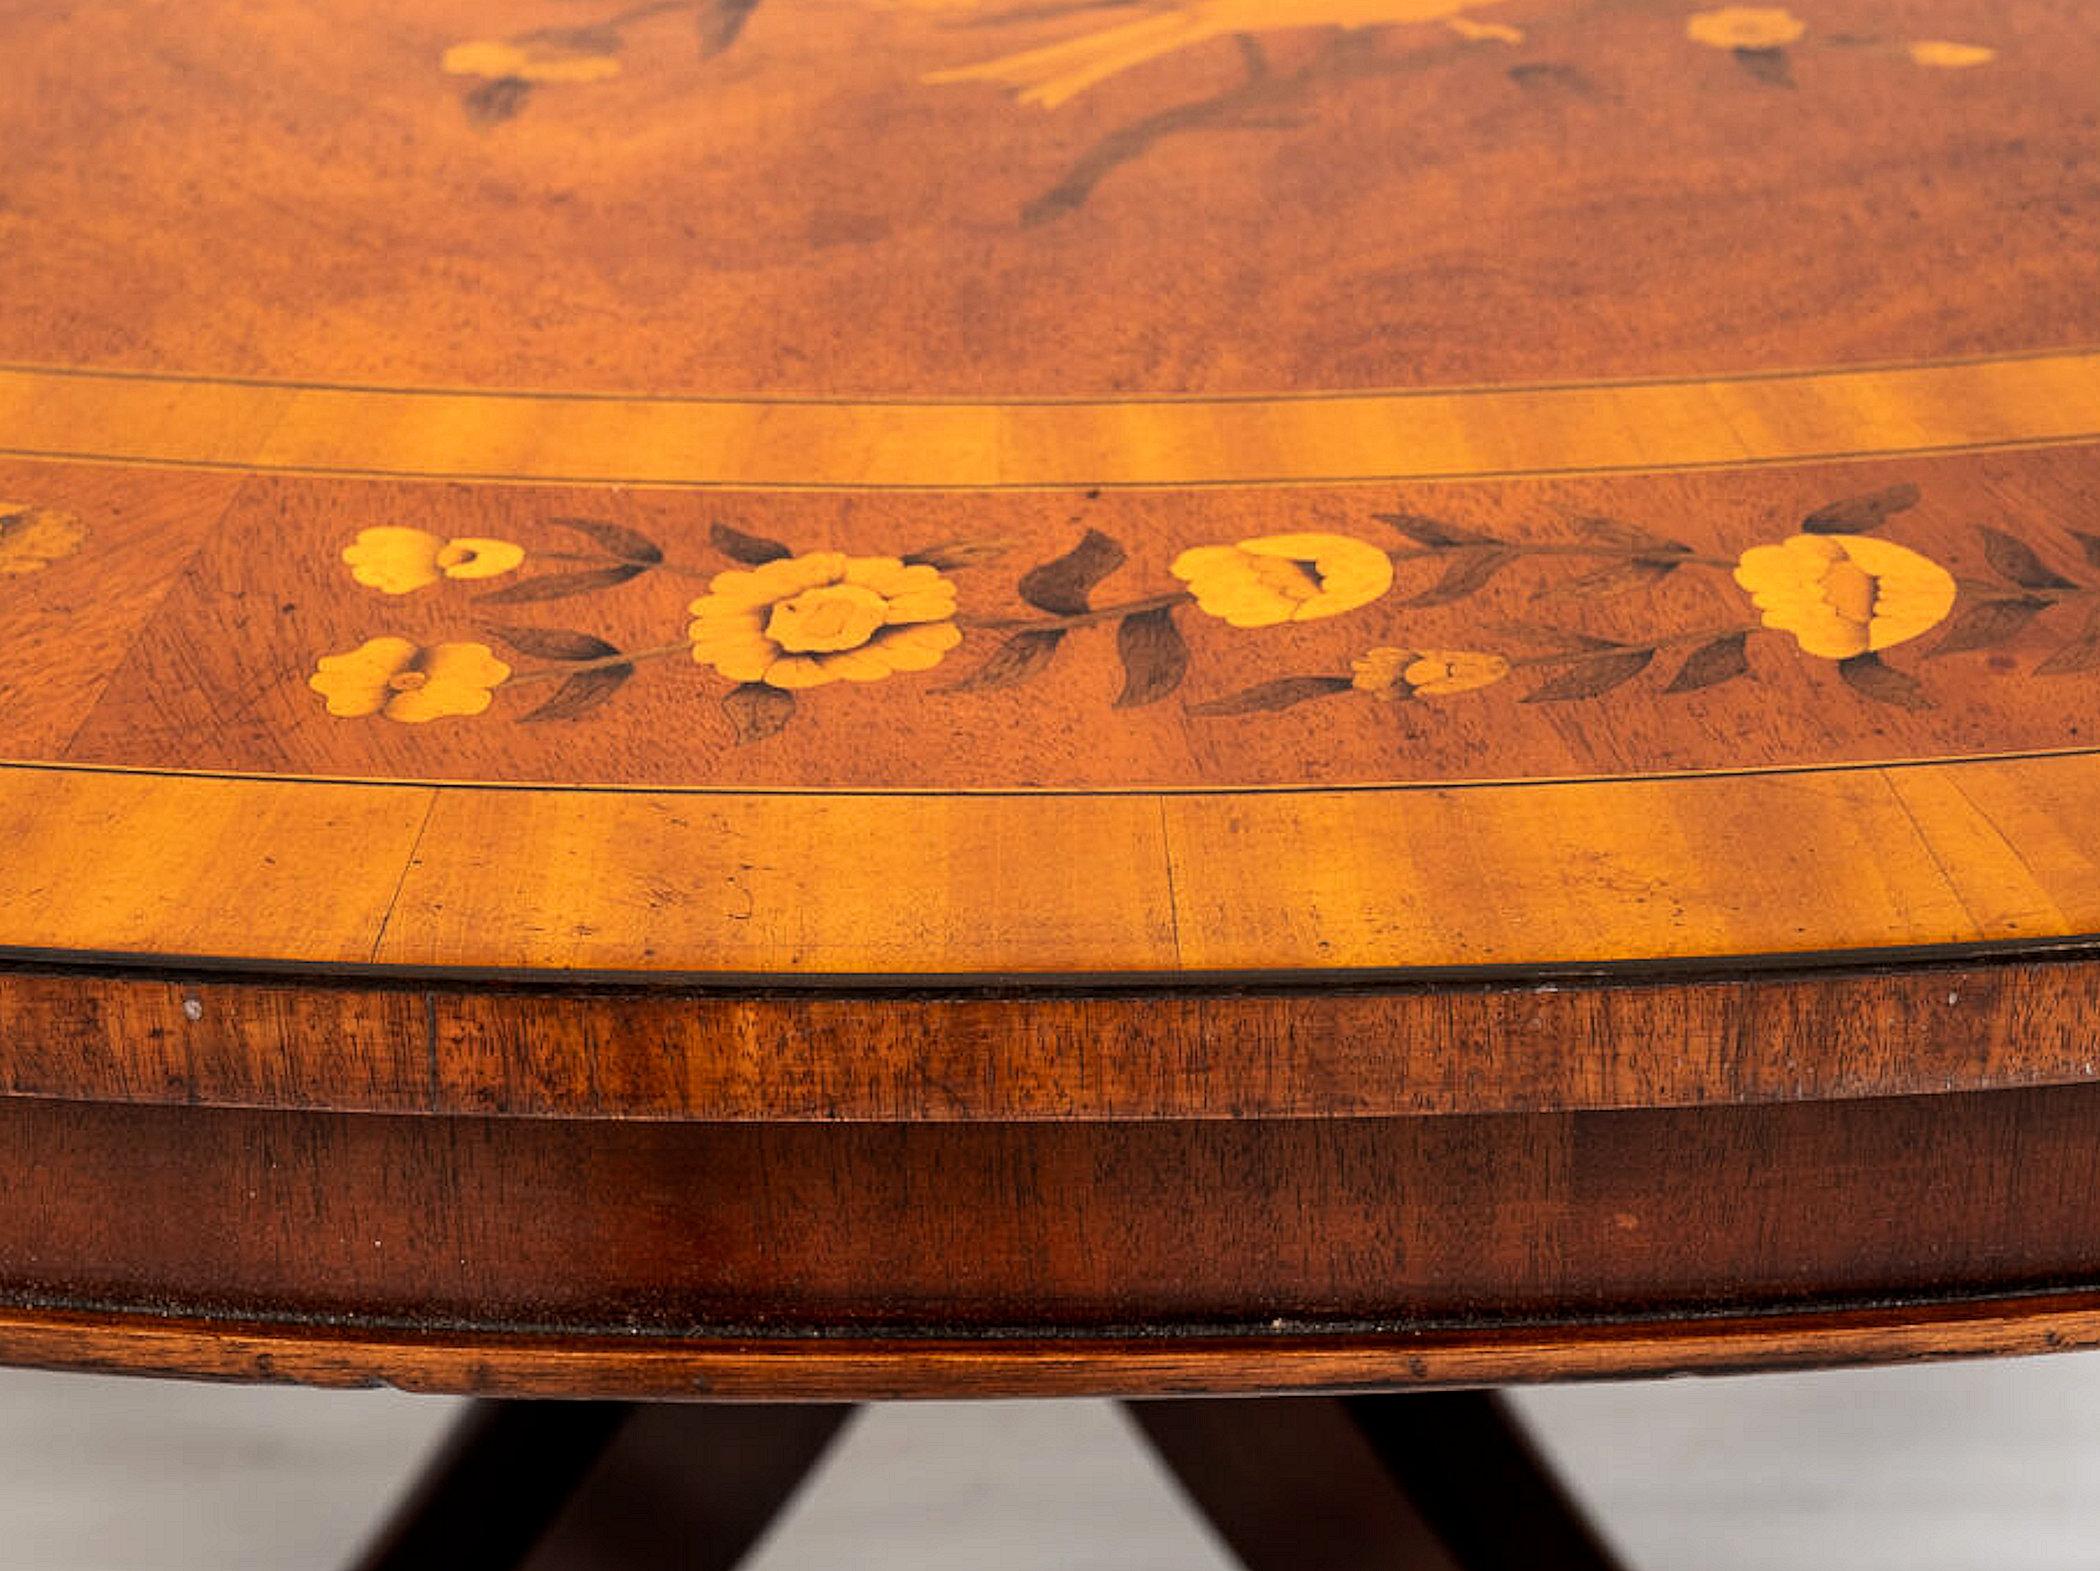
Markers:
(409, 682)
(802, 621)
(556, 55)
(1284, 578)
(32, 538)
(398, 561)
(1950, 57)
(1434, 673)
(1746, 27)
(1846, 595)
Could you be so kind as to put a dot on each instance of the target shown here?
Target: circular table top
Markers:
(1229, 494)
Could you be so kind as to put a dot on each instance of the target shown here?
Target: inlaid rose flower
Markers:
(399, 561)
(1284, 578)
(409, 682)
(1846, 595)
(803, 621)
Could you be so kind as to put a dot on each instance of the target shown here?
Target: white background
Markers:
(1980, 1467)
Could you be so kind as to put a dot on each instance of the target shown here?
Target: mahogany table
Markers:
(844, 699)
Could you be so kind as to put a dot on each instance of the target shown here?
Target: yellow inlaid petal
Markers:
(1440, 673)
(554, 57)
(1378, 670)
(917, 647)
(471, 557)
(797, 671)
(1945, 56)
(32, 538)
(393, 560)
(885, 575)
(357, 682)
(1746, 27)
(1485, 32)
(857, 665)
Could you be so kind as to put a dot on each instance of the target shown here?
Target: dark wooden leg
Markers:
(590, 1486)
(689, 1487)
(1441, 1481)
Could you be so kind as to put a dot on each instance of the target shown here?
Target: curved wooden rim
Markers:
(1430, 881)
(178, 420)
(1190, 1361)
(593, 1048)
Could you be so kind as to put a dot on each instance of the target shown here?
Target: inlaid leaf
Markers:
(1544, 635)
(751, 550)
(1711, 664)
(1859, 515)
(958, 553)
(1630, 537)
(1280, 694)
(554, 643)
(1592, 677)
(615, 540)
(2089, 544)
(1061, 587)
(1537, 74)
(1433, 532)
(720, 22)
(493, 102)
(583, 692)
(2080, 654)
(1984, 624)
(560, 586)
(2013, 558)
(1468, 570)
(758, 710)
(1155, 658)
(1610, 579)
(1021, 657)
(1770, 66)
(1868, 677)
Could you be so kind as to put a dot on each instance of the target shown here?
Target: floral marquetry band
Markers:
(778, 623)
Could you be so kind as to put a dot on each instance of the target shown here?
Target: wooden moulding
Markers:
(591, 1257)
(1585, 1041)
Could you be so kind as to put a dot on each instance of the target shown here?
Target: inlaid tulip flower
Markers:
(568, 54)
(399, 561)
(1842, 596)
(1746, 27)
(1274, 579)
(1432, 673)
(803, 621)
(409, 682)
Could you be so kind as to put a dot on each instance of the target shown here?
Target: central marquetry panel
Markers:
(1003, 197)
(1268, 636)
